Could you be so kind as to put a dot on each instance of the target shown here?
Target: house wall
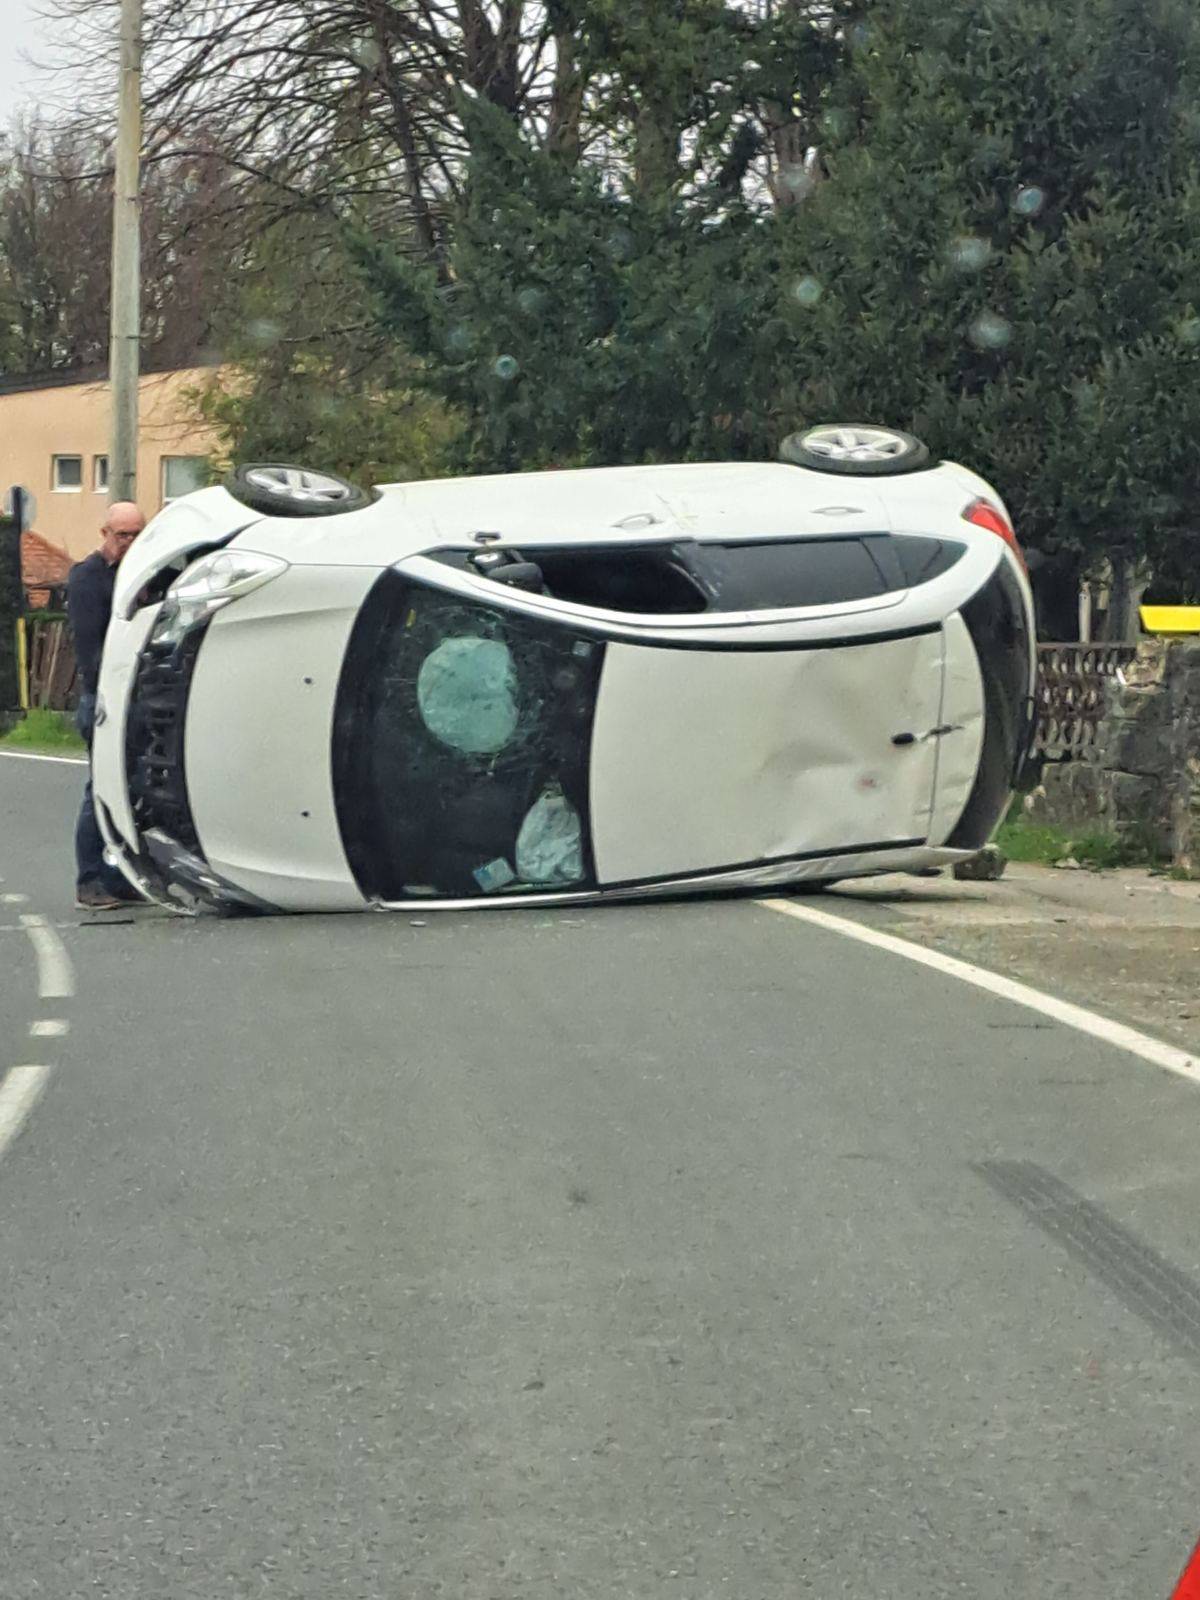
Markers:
(38, 424)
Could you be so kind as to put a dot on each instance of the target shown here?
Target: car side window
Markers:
(461, 747)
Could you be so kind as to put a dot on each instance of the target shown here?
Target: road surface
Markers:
(681, 1250)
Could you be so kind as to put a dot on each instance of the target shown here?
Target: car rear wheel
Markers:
(856, 450)
(286, 491)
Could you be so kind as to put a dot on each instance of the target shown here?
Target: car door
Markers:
(709, 759)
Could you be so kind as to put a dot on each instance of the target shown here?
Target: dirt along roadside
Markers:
(1125, 942)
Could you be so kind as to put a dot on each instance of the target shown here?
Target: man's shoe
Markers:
(127, 894)
(95, 897)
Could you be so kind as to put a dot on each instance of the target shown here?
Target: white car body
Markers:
(743, 749)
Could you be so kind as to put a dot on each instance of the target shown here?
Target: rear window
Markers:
(739, 575)
(808, 572)
(922, 559)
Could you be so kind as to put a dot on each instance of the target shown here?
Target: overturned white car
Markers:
(563, 686)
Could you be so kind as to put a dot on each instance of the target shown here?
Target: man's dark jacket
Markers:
(89, 606)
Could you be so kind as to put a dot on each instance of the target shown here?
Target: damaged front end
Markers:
(169, 864)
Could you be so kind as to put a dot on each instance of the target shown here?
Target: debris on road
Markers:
(985, 867)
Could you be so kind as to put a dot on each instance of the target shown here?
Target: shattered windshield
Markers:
(461, 748)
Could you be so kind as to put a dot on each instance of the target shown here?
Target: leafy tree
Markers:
(55, 243)
(1005, 258)
(309, 374)
(598, 232)
(582, 324)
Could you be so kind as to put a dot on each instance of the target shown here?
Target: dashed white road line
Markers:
(14, 899)
(1072, 1016)
(19, 1093)
(56, 976)
(49, 1028)
(29, 755)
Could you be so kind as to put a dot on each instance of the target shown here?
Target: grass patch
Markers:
(45, 730)
(1023, 839)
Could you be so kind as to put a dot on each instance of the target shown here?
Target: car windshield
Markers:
(461, 745)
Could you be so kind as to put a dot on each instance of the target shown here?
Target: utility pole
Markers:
(125, 327)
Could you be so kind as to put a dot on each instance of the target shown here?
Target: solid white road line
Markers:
(56, 978)
(49, 1028)
(28, 755)
(18, 1095)
(1072, 1016)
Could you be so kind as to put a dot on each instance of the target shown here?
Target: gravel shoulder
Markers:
(1126, 943)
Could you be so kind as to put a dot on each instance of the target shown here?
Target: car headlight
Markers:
(207, 585)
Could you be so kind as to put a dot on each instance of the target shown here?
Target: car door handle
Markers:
(901, 739)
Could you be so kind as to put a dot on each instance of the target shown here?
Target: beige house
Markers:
(54, 439)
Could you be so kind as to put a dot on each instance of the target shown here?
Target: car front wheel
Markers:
(280, 490)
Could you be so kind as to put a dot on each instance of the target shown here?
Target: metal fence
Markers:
(1071, 694)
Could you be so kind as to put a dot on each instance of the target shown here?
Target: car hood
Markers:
(189, 526)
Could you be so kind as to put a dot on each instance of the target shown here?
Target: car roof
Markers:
(708, 500)
(713, 501)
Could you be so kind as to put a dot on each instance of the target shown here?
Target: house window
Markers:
(182, 474)
(67, 474)
(100, 474)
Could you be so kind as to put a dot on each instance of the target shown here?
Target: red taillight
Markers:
(985, 515)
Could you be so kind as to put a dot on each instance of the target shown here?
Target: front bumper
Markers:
(163, 871)
(142, 803)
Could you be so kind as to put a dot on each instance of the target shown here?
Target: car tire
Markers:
(855, 450)
(282, 490)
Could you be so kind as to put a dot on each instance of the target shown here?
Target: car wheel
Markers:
(855, 449)
(286, 491)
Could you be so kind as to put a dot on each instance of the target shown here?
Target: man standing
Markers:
(98, 887)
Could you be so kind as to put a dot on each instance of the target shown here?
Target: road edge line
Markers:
(1118, 1034)
(20, 1090)
(29, 755)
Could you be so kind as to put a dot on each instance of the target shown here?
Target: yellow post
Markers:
(23, 663)
(1173, 621)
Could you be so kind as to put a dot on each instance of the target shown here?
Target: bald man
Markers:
(98, 887)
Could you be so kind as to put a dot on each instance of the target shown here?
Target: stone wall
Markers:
(1142, 778)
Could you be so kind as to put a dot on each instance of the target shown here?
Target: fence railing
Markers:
(1071, 694)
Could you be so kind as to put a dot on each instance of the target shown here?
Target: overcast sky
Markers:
(21, 31)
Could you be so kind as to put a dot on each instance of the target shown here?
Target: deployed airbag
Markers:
(467, 695)
(550, 843)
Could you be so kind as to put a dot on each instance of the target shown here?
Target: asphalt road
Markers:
(680, 1251)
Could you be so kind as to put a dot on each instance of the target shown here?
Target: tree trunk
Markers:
(1121, 624)
(428, 235)
(566, 104)
(656, 150)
